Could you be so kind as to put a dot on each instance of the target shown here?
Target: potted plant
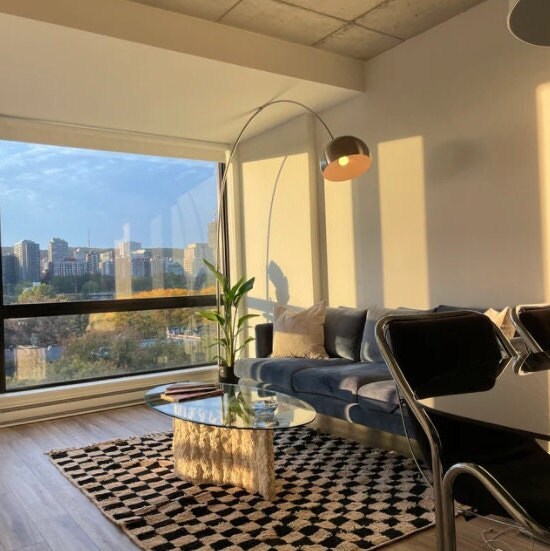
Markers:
(230, 324)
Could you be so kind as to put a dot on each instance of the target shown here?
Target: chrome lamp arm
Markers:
(344, 158)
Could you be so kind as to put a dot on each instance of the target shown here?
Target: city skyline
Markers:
(9, 248)
(99, 198)
(26, 262)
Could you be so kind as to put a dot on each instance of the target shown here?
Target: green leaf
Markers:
(211, 315)
(246, 341)
(222, 280)
(222, 361)
(245, 287)
(234, 291)
(244, 318)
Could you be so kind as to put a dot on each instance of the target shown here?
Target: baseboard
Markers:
(51, 403)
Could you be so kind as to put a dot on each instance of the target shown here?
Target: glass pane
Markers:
(69, 348)
(80, 224)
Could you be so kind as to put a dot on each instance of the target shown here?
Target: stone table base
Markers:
(239, 457)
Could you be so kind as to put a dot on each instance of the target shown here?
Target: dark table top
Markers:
(516, 397)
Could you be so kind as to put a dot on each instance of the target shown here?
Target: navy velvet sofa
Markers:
(354, 384)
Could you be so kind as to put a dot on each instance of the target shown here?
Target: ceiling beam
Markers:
(143, 24)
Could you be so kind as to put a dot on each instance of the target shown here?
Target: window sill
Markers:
(35, 405)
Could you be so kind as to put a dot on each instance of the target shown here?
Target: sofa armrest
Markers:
(264, 339)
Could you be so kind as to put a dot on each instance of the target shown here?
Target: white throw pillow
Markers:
(503, 320)
(299, 334)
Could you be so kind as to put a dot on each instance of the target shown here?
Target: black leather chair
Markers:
(508, 473)
(532, 322)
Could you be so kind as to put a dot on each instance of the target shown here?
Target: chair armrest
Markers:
(264, 339)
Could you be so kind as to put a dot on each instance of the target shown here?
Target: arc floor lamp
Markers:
(342, 159)
(529, 20)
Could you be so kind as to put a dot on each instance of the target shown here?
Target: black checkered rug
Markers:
(333, 494)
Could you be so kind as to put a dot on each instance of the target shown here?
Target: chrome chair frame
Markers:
(532, 344)
(497, 490)
(443, 482)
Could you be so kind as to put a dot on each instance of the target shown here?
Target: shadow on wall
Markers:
(279, 281)
(273, 272)
(266, 308)
(453, 158)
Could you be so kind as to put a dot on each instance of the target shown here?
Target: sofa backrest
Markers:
(349, 332)
(343, 332)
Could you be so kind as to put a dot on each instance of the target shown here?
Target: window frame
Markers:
(50, 309)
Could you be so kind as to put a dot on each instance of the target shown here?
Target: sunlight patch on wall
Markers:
(342, 287)
(543, 121)
(403, 223)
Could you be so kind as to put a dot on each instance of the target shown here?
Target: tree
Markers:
(44, 331)
(89, 288)
(38, 293)
(200, 280)
(140, 284)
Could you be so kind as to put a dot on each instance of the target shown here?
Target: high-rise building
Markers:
(107, 267)
(79, 254)
(158, 265)
(70, 267)
(193, 258)
(141, 266)
(107, 255)
(173, 267)
(92, 258)
(10, 269)
(28, 255)
(126, 248)
(58, 250)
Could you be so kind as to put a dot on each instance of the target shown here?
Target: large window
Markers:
(102, 263)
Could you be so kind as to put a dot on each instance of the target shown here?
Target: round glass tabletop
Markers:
(238, 407)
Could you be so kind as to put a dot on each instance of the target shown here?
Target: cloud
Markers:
(97, 189)
(53, 171)
(18, 193)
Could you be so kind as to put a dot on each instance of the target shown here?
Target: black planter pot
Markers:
(226, 374)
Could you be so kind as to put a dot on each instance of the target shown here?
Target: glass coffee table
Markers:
(228, 439)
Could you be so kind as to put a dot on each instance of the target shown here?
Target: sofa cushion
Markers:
(369, 347)
(280, 371)
(378, 396)
(299, 334)
(343, 332)
(503, 320)
(339, 381)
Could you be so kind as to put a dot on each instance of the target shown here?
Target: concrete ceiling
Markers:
(359, 29)
(199, 73)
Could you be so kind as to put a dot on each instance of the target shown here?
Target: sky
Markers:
(75, 194)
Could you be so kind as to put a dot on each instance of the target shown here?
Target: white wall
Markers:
(125, 66)
(458, 120)
(279, 200)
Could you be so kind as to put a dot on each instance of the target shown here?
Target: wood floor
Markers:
(40, 510)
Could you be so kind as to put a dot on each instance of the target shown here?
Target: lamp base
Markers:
(226, 374)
